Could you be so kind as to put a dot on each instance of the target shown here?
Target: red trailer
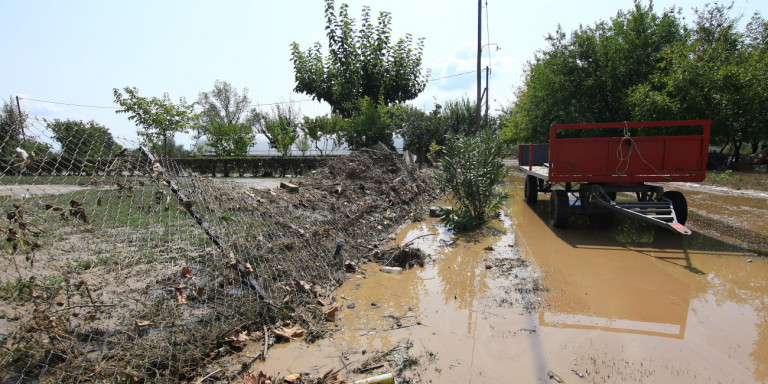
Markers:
(593, 170)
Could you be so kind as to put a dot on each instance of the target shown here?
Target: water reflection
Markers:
(622, 275)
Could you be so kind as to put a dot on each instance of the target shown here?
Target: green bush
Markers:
(472, 168)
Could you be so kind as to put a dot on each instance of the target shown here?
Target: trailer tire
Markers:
(558, 209)
(679, 205)
(531, 189)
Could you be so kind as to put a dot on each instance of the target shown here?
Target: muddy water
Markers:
(626, 303)
(748, 210)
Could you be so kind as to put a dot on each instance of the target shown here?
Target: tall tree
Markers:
(83, 143)
(11, 122)
(718, 73)
(362, 63)
(226, 119)
(158, 119)
(588, 76)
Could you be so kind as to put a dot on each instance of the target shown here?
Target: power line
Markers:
(70, 104)
(445, 77)
(110, 107)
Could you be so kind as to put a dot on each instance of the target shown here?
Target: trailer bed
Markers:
(600, 167)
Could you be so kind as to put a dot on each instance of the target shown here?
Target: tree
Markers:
(281, 126)
(11, 122)
(588, 76)
(418, 129)
(717, 73)
(370, 126)
(326, 129)
(83, 144)
(359, 64)
(281, 136)
(158, 119)
(226, 120)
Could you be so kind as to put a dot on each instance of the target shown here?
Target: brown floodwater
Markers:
(625, 303)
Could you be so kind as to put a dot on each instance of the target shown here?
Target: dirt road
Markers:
(617, 303)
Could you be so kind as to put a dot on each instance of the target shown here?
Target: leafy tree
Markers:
(459, 116)
(718, 73)
(229, 139)
(281, 126)
(11, 122)
(325, 128)
(588, 76)
(418, 129)
(83, 143)
(362, 63)
(471, 169)
(371, 125)
(226, 119)
(302, 144)
(158, 119)
(281, 135)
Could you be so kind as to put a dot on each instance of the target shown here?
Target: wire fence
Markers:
(118, 265)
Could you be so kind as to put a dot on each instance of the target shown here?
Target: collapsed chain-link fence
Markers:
(116, 265)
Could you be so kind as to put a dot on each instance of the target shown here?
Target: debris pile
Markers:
(150, 273)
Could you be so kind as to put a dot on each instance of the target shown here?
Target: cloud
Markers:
(454, 76)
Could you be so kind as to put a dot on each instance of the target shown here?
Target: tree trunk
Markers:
(736, 151)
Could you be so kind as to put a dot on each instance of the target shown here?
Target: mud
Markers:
(606, 301)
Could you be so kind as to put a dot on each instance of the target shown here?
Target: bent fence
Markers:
(118, 266)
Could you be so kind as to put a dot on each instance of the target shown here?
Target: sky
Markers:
(76, 52)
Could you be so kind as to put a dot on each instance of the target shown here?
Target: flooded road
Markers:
(623, 303)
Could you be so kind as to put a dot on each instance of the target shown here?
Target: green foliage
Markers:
(371, 125)
(416, 127)
(459, 116)
(472, 168)
(229, 140)
(158, 119)
(281, 126)
(226, 120)
(281, 136)
(588, 77)
(10, 131)
(303, 145)
(81, 142)
(717, 73)
(362, 63)
(325, 128)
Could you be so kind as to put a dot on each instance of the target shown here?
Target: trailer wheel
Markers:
(531, 189)
(558, 209)
(679, 204)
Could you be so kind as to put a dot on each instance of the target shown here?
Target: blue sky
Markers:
(76, 52)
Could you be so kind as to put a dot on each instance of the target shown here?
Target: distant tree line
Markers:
(643, 65)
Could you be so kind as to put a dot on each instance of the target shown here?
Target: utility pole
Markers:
(479, 52)
(21, 120)
(487, 94)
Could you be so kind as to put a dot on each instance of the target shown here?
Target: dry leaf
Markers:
(180, 294)
(289, 333)
(238, 338)
(259, 378)
(330, 313)
(143, 323)
(186, 272)
(296, 377)
(34, 294)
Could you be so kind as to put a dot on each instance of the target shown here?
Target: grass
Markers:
(738, 180)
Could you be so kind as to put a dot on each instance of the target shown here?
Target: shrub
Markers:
(472, 168)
